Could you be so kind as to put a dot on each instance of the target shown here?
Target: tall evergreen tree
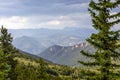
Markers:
(105, 41)
(8, 51)
(4, 67)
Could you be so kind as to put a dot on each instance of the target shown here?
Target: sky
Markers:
(51, 14)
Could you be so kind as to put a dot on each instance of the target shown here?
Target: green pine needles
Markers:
(105, 59)
(7, 62)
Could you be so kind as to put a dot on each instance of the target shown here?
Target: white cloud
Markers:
(14, 22)
(55, 24)
(81, 20)
(43, 21)
(57, 16)
(45, 14)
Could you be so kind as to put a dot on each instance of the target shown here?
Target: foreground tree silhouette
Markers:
(8, 52)
(105, 41)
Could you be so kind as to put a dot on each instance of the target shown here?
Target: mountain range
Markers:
(57, 46)
(35, 41)
(66, 55)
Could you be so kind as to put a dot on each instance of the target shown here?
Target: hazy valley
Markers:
(54, 45)
(35, 41)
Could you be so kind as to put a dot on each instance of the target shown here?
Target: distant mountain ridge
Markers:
(42, 32)
(28, 44)
(68, 55)
(36, 45)
(35, 41)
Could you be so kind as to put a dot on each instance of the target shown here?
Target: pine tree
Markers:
(4, 67)
(105, 41)
(9, 51)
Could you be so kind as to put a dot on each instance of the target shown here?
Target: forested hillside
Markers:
(30, 67)
(99, 55)
(18, 65)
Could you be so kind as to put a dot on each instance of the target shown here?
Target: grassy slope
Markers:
(64, 72)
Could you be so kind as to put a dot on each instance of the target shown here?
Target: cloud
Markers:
(13, 22)
(40, 7)
(55, 14)
(55, 22)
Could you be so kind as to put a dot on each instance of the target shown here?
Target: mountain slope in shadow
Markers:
(68, 55)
